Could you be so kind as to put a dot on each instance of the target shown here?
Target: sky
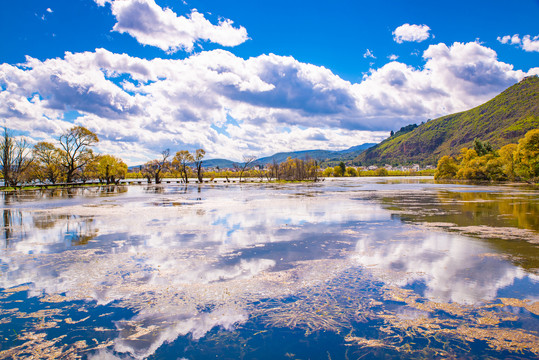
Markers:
(240, 78)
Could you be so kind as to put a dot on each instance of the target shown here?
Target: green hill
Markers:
(500, 121)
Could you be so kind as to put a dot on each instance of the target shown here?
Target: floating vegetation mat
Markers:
(321, 296)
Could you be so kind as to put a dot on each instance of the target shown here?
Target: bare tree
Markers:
(155, 168)
(76, 143)
(247, 161)
(199, 154)
(15, 158)
(181, 159)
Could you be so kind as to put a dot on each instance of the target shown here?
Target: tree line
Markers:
(512, 162)
(71, 159)
(185, 165)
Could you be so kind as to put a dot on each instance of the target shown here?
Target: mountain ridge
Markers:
(500, 121)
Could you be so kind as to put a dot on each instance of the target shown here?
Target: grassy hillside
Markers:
(500, 121)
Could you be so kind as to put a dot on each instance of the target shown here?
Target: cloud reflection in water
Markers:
(186, 261)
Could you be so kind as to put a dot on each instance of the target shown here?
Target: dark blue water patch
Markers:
(253, 340)
(306, 247)
(519, 289)
(418, 286)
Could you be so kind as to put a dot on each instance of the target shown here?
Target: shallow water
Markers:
(345, 268)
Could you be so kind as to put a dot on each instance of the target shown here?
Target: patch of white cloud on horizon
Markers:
(152, 25)
(527, 43)
(174, 103)
(407, 32)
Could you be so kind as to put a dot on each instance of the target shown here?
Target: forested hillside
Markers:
(500, 121)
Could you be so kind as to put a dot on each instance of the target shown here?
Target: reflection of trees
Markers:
(81, 232)
(111, 189)
(469, 209)
(78, 230)
(62, 193)
(47, 220)
(154, 189)
(47, 228)
(493, 209)
(10, 218)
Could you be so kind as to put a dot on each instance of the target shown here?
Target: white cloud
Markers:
(530, 44)
(409, 32)
(527, 42)
(393, 57)
(152, 25)
(505, 39)
(369, 54)
(139, 107)
(49, 10)
(454, 78)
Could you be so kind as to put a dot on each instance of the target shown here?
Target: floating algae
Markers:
(532, 307)
(469, 324)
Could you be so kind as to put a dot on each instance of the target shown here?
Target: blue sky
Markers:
(244, 77)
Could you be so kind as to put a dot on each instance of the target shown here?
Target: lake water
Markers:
(341, 269)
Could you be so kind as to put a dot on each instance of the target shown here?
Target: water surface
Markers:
(345, 268)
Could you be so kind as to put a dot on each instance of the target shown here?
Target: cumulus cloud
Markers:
(231, 106)
(527, 42)
(393, 57)
(152, 25)
(530, 44)
(407, 32)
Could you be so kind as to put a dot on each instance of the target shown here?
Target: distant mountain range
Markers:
(500, 121)
(320, 155)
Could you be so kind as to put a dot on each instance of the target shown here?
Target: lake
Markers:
(350, 268)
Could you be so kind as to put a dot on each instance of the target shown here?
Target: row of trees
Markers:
(178, 166)
(186, 165)
(72, 159)
(513, 162)
(340, 170)
(294, 170)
